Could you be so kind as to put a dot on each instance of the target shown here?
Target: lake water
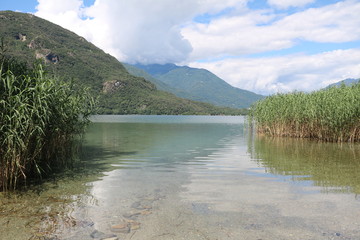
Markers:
(192, 177)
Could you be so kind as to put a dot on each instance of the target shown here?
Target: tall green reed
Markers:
(41, 119)
(331, 114)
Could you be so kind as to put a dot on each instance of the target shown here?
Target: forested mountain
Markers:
(347, 81)
(197, 84)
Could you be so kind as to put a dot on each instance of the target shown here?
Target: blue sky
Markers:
(265, 46)
(16, 5)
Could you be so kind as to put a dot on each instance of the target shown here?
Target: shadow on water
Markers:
(89, 161)
(46, 207)
(332, 166)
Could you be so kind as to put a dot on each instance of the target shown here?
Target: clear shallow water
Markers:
(195, 177)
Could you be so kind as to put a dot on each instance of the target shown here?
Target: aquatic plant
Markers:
(40, 119)
(331, 114)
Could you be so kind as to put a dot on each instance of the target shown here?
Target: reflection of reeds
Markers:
(333, 166)
(331, 114)
(39, 122)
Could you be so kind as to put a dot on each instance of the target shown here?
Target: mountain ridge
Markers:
(347, 81)
(199, 85)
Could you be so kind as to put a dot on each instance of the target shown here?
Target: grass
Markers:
(40, 120)
(331, 114)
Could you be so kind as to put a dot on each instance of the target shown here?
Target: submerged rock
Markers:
(135, 205)
(102, 236)
(121, 228)
(135, 226)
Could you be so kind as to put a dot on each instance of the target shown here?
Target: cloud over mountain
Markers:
(222, 34)
(134, 31)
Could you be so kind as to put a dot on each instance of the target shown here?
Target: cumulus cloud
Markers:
(287, 73)
(261, 31)
(143, 31)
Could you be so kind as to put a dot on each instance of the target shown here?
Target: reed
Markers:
(331, 114)
(40, 120)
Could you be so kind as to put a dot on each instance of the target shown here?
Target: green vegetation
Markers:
(331, 114)
(69, 56)
(40, 120)
(195, 84)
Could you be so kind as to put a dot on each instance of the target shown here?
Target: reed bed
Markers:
(40, 120)
(331, 114)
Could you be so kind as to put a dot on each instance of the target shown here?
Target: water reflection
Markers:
(334, 167)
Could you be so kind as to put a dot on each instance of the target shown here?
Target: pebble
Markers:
(85, 223)
(100, 235)
(135, 205)
(145, 212)
(120, 228)
(132, 215)
(146, 207)
(134, 226)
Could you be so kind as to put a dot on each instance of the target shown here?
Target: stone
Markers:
(146, 207)
(146, 212)
(97, 234)
(100, 235)
(132, 215)
(135, 205)
(135, 226)
(85, 223)
(120, 228)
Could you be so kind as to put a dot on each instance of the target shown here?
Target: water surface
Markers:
(195, 177)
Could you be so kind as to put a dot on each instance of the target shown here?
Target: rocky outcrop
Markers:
(47, 56)
(21, 37)
(52, 58)
(112, 86)
(33, 44)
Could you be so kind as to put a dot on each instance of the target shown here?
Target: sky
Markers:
(264, 46)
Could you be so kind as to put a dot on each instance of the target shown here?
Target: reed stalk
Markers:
(40, 120)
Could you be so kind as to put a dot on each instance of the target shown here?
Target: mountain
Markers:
(347, 81)
(133, 70)
(197, 84)
(68, 56)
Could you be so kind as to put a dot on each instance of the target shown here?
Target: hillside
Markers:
(198, 84)
(133, 70)
(70, 57)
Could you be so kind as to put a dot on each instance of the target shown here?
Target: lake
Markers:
(192, 177)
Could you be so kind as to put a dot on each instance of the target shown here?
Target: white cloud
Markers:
(163, 31)
(134, 31)
(283, 4)
(55, 7)
(261, 31)
(287, 73)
